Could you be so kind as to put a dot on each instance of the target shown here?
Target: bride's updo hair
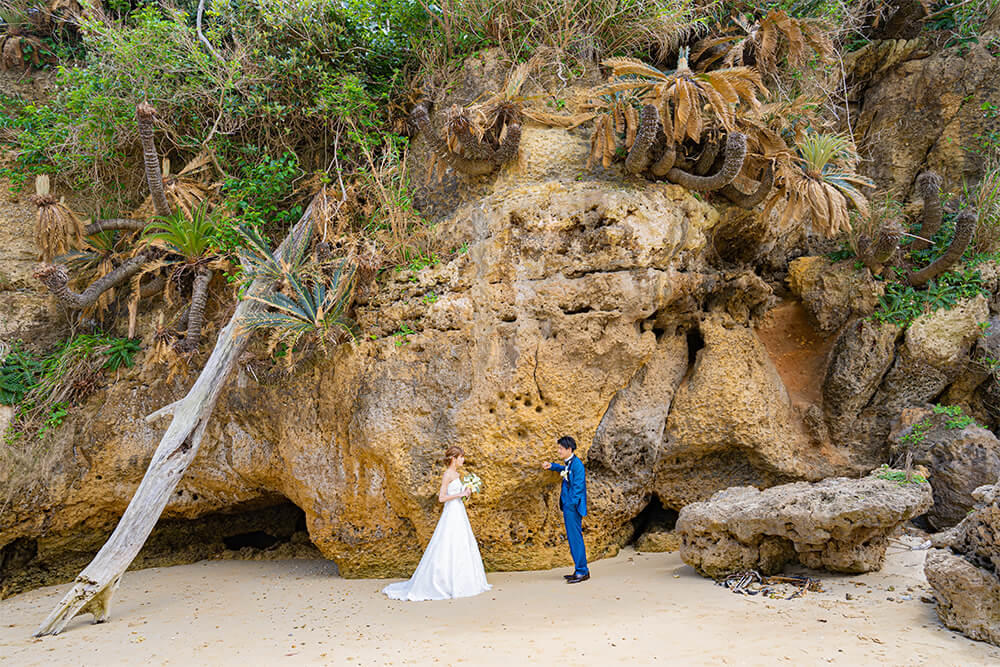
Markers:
(452, 453)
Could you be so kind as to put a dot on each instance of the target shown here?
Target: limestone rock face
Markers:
(732, 415)
(960, 460)
(860, 358)
(964, 575)
(839, 524)
(927, 112)
(833, 292)
(565, 307)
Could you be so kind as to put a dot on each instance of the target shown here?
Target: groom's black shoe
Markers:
(577, 578)
(567, 577)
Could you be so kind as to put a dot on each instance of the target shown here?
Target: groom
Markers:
(573, 502)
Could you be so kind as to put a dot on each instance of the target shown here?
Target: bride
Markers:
(451, 566)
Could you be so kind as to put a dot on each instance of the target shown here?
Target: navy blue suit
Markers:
(573, 503)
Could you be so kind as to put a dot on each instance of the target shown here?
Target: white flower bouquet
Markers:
(472, 481)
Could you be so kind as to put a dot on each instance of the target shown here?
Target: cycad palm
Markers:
(305, 301)
(190, 241)
(820, 181)
(679, 95)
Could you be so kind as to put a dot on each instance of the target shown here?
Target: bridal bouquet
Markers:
(472, 481)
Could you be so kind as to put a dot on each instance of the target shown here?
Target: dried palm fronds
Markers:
(193, 185)
(764, 42)
(57, 228)
(820, 182)
(615, 116)
(681, 95)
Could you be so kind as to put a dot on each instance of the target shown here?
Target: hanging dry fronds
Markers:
(765, 42)
(681, 96)
(57, 227)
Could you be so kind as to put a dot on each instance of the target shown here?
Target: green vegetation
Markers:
(902, 303)
(955, 419)
(899, 476)
(43, 389)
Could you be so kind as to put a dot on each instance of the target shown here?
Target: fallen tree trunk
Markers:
(95, 586)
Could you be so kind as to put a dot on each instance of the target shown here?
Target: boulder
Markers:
(833, 292)
(926, 112)
(960, 457)
(935, 352)
(863, 353)
(839, 524)
(964, 574)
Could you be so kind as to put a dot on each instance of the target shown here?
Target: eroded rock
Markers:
(833, 292)
(964, 574)
(960, 457)
(839, 524)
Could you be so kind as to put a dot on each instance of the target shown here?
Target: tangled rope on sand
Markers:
(751, 582)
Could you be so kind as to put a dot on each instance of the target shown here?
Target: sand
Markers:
(641, 608)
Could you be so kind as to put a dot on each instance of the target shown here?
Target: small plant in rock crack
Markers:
(917, 434)
(956, 418)
(429, 298)
(899, 476)
(402, 335)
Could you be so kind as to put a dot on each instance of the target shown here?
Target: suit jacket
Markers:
(573, 494)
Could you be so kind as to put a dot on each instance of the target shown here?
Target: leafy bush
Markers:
(40, 388)
(902, 303)
(18, 374)
(260, 197)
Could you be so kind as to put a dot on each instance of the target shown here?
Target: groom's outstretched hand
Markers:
(547, 465)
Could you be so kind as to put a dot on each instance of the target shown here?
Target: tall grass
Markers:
(586, 29)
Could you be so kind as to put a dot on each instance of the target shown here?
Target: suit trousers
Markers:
(574, 533)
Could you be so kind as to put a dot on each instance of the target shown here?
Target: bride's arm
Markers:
(443, 496)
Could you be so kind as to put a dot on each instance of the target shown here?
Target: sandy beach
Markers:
(641, 608)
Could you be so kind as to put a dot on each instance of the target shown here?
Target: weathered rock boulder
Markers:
(860, 358)
(833, 292)
(926, 112)
(934, 353)
(965, 575)
(839, 524)
(960, 457)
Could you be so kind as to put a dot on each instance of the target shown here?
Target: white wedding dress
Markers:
(451, 567)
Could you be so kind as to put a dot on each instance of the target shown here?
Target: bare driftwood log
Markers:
(95, 586)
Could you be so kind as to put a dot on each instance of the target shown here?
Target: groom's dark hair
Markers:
(567, 442)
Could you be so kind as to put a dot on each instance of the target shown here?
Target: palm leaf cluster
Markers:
(190, 238)
(764, 42)
(57, 228)
(307, 300)
(819, 182)
(614, 115)
(682, 95)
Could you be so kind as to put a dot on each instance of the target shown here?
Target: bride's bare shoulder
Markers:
(449, 475)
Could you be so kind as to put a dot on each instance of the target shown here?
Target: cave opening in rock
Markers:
(695, 342)
(654, 517)
(269, 528)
